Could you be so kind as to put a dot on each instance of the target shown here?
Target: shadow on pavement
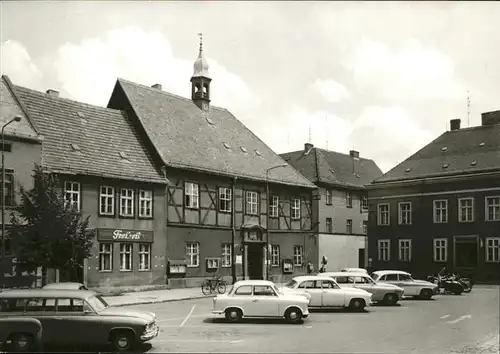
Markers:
(255, 321)
(141, 348)
(337, 310)
(380, 304)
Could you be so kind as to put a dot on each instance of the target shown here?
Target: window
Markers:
(364, 204)
(440, 250)
(107, 200)
(493, 249)
(144, 256)
(345, 280)
(327, 284)
(348, 226)
(405, 213)
(126, 202)
(365, 227)
(72, 195)
(145, 204)
(295, 209)
(492, 211)
(348, 199)
(274, 206)
(391, 277)
(244, 290)
(329, 225)
(405, 277)
(383, 214)
(263, 290)
(225, 199)
(105, 257)
(193, 254)
(9, 189)
(466, 210)
(275, 255)
(212, 263)
(384, 250)
(191, 195)
(297, 256)
(328, 197)
(308, 284)
(252, 202)
(405, 250)
(226, 255)
(125, 257)
(440, 211)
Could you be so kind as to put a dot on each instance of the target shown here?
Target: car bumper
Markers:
(150, 334)
(218, 312)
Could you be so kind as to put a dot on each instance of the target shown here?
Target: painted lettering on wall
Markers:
(124, 235)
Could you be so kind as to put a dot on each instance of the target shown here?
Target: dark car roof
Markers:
(47, 293)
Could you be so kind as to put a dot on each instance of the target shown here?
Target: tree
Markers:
(48, 232)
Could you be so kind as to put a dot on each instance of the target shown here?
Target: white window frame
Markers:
(145, 203)
(298, 256)
(492, 243)
(145, 257)
(126, 257)
(191, 190)
(380, 214)
(365, 227)
(106, 200)
(295, 211)
(348, 199)
(401, 213)
(275, 255)
(440, 212)
(328, 197)
(226, 253)
(403, 246)
(225, 199)
(105, 252)
(460, 209)
(127, 198)
(251, 203)
(495, 206)
(329, 230)
(193, 254)
(384, 245)
(348, 225)
(274, 206)
(364, 204)
(72, 194)
(440, 244)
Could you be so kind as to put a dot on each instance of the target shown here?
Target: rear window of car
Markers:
(244, 290)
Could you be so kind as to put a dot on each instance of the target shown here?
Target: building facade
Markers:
(340, 204)
(441, 206)
(219, 173)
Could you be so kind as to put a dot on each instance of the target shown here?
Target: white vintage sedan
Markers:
(415, 288)
(325, 292)
(260, 298)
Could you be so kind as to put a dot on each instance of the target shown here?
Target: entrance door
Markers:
(255, 261)
(466, 252)
(361, 258)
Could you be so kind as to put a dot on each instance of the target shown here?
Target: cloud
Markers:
(413, 72)
(331, 90)
(19, 66)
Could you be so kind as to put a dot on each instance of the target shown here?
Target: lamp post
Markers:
(15, 119)
(267, 216)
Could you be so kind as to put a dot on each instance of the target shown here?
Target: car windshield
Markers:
(230, 289)
(369, 280)
(375, 277)
(291, 284)
(97, 303)
(278, 291)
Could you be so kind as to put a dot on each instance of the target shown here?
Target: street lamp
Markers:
(267, 216)
(15, 119)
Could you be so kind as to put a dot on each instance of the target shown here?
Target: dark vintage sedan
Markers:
(20, 334)
(80, 317)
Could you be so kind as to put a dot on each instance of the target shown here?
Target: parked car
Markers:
(325, 292)
(65, 286)
(20, 334)
(77, 317)
(260, 298)
(385, 293)
(415, 288)
(355, 270)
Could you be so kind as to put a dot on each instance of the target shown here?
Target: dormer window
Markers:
(75, 147)
(481, 145)
(227, 146)
(446, 165)
(124, 155)
(444, 148)
(243, 149)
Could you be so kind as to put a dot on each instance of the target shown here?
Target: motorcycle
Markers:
(465, 282)
(448, 284)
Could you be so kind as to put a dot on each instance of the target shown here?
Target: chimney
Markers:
(308, 146)
(455, 124)
(490, 118)
(157, 86)
(354, 154)
(52, 93)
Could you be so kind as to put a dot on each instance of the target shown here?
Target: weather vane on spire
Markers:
(200, 36)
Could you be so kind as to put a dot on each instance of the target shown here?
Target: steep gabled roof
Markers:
(334, 168)
(189, 138)
(84, 139)
(456, 152)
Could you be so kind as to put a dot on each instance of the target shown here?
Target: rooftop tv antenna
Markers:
(200, 36)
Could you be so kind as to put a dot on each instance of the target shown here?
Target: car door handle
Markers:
(58, 318)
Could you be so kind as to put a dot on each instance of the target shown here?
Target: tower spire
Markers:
(200, 81)
(200, 36)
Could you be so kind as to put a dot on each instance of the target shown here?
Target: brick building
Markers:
(340, 206)
(441, 206)
(217, 213)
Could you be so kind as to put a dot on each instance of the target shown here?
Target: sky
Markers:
(382, 78)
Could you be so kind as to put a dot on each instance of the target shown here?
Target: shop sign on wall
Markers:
(124, 235)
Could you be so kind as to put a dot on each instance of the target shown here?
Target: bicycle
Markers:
(209, 286)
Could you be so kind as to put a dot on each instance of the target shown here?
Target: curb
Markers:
(146, 302)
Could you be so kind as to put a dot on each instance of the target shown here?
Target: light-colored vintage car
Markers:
(260, 299)
(355, 270)
(415, 288)
(385, 293)
(325, 292)
(65, 286)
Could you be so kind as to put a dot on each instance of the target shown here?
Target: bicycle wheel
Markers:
(206, 288)
(221, 287)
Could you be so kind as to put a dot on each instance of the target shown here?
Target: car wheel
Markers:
(426, 294)
(21, 342)
(221, 288)
(122, 341)
(357, 304)
(234, 315)
(293, 315)
(391, 299)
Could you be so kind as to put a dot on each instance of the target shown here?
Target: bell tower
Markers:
(200, 81)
